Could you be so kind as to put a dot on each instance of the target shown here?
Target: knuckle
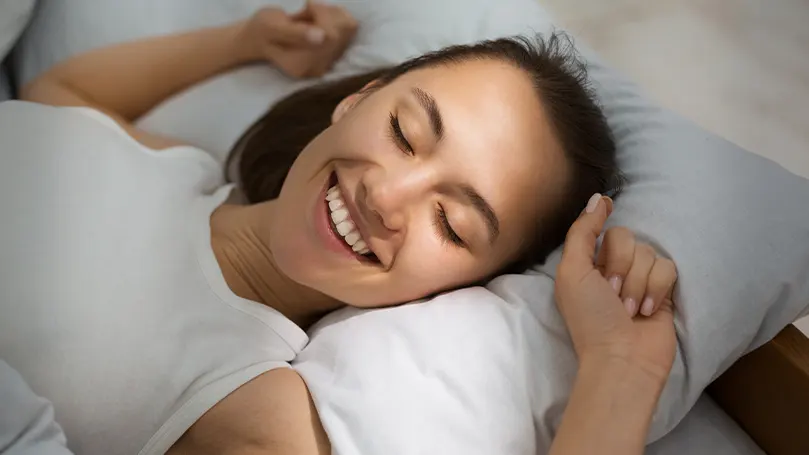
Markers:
(669, 268)
(268, 14)
(656, 285)
(619, 252)
(635, 284)
(331, 11)
(348, 20)
(666, 275)
(619, 233)
(644, 249)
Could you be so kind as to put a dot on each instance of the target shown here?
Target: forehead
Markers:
(497, 135)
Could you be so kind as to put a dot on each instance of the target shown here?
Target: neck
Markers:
(240, 241)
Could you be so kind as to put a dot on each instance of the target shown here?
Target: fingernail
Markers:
(609, 203)
(631, 306)
(592, 204)
(316, 35)
(616, 283)
(648, 306)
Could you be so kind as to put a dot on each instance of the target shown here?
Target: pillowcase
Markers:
(14, 16)
(489, 370)
(706, 430)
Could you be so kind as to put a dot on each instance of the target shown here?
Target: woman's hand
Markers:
(304, 44)
(643, 279)
(596, 298)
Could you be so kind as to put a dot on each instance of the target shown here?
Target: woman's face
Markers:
(437, 179)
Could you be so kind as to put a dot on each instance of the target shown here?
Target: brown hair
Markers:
(266, 151)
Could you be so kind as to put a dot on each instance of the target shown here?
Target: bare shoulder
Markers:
(271, 415)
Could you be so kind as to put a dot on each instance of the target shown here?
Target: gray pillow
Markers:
(14, 16)
(736, 224)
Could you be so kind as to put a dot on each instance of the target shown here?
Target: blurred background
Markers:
(739, 68)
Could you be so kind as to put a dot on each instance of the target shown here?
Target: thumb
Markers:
(294, 33)
(580, 245)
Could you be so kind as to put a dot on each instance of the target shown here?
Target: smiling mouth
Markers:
(343, 226)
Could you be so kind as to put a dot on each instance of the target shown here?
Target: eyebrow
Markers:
(428, 103)
(480, 204)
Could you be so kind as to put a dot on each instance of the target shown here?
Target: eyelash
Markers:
(442, 224)
(445, 229)
(397, 135)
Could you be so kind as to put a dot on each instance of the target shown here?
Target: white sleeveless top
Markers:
(112, 304)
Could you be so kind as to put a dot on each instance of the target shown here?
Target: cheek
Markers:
(347, 143)
(425, 265)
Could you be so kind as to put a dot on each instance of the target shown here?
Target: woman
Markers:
(159, 317)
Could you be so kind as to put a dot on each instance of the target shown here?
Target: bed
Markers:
(767, 394)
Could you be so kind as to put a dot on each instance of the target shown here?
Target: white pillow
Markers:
(462, 374)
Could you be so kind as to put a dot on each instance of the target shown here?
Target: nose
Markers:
(391, 194)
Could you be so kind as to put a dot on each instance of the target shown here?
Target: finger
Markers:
(291, 33)
(320, 12)
(327, 65)
(304, 14)
(346, 20)
(660, 286)
(579, 248)
(616, 255)
(635, 284)
(327, 18)
(610, 205)
(319, 70)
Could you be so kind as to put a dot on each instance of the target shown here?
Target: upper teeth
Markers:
(342, 220)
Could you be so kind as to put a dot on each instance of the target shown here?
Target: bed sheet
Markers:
(706, 430)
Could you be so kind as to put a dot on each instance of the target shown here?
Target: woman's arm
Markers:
(271, 415)
(127, 80)
(608, 412)
(625, 357)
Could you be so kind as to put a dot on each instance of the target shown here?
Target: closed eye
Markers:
(445, 229)
(398, 136)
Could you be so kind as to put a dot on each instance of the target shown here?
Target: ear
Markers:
(345, 105)
(350, 101)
